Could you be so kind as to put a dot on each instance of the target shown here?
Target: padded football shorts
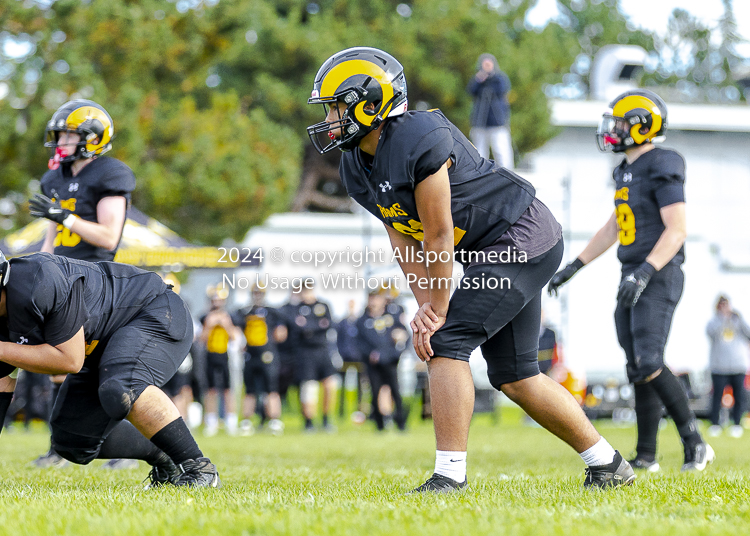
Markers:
(642, 331)
(146, 351)
(217, 370)
(503, 321)
(314, 364)
(261, 372)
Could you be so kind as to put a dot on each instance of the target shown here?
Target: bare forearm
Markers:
(97, 234)
(440, 271)
(49, 238)
(407, 251)
(669, 243)
(601, 242)
(41, 358)
(418, 271)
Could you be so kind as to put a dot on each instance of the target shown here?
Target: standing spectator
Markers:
(490, 116)
(288, 346)
(311, 320)
(263, 328)
(348, 348)
(379, 332)
(729, 335)
(218, 330)
(85, 197)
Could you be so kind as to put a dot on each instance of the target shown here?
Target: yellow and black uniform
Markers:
(655, 180)
(262, 364)
(102, 177)
(414, 146)
(217, 358)
(493, 210)
(137, 333)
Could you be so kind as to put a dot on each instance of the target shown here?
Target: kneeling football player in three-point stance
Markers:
(119, 333)
(418, 174)
(649, 222)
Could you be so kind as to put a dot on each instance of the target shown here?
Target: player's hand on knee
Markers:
(430, 319)
(563, 276)
(421, 339)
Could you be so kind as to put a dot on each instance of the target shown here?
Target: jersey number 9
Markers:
(625, 224)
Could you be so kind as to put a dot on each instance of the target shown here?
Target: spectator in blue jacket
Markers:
(490, 116)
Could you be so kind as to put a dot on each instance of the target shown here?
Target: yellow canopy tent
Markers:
(145, 242)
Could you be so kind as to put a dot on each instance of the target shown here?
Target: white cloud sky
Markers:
(654, 14)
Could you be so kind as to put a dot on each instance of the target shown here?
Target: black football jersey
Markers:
(376, 334)
(309, 325)
(103, 177)
(257, 323)
(50, 298)
(655, 180)
(486, 199)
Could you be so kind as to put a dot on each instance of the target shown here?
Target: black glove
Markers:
(42, 206)
(633, 284)
(563, 276)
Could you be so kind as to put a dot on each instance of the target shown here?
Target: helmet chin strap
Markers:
(379, 118)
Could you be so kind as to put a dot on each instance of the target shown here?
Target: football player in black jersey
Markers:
(311, 321)
(84, 197)
(418, 174)
(84, 194)
(378, 336)
(649, 223)
(263, 328)
(119, 333)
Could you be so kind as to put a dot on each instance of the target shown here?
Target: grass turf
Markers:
(522, 481)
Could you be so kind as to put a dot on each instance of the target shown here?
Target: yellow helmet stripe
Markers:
(631, 102)
(345, 70)
(79, 115)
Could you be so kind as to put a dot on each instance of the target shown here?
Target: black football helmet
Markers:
(634, 118)
(86, 118)
(357, 77)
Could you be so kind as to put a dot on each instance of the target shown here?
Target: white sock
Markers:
(601, 453)
(451, 463)
(212, 420)
(231, 423)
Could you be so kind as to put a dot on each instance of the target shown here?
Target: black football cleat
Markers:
(198, 473)
(439, 484)
(698, 456)
(161, 475)
(641, 464)
(613, 475)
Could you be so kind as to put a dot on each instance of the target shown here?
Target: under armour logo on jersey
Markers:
(628, 177)
(385, 186)
(22, 340)
(73, 187)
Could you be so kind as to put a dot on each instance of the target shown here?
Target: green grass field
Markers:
(521, 481)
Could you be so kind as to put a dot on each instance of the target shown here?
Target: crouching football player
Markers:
(418, 174)
(120, 333)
